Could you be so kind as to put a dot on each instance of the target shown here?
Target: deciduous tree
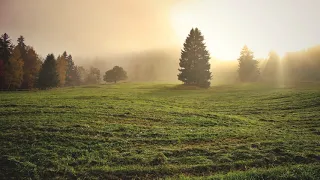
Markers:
(115, 74)
(83, 74)
(93, 76)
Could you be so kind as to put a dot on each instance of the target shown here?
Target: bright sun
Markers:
(182, 22)
(229, 25)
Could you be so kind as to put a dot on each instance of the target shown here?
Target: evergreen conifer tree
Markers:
(272, 69)
(194, 61)
(248, 66)
(48, 76)
(6, 49)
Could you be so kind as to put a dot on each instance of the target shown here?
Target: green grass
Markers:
(146, 131)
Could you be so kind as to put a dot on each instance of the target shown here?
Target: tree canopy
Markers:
(115, 74)
(195, 68)
(93, 76)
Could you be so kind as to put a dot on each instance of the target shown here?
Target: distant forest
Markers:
(22, 68)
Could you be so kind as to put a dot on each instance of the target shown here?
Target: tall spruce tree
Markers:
(26, 67)
(6, 49)
(48, 76)
(248, 66)
(194, 61)
(72, 76)
(22, 47)
(272, 69)
(62, 69)
(32, 67)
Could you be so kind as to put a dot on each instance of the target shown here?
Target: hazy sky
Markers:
(101, 27)
(89, 27)
(280, 25)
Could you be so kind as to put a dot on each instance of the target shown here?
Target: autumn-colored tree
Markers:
(32, 68)
(31, 63)
(14, 70)
(62, 69)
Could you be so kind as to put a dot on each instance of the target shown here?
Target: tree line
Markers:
(294, 67)
(22, 68)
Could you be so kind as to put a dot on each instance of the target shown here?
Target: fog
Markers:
(99, 33)
(145, 36)
(145, 65)
(89, 28)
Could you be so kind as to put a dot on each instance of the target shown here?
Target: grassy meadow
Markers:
(161, 131)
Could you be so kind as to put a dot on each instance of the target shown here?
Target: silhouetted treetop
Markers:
(248, 66)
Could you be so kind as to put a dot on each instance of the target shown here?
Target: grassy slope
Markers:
(154, 130)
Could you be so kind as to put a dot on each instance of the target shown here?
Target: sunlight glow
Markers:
(229, 25)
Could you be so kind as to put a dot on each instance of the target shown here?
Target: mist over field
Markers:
(103, 34)
(160, 89)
